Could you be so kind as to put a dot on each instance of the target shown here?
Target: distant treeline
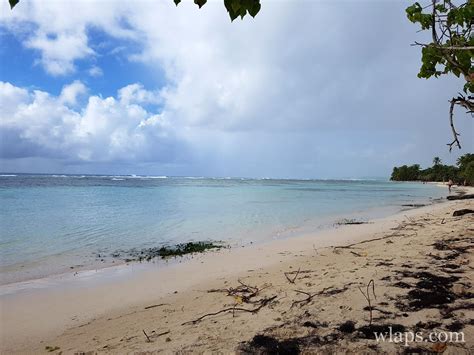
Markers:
(462, 173)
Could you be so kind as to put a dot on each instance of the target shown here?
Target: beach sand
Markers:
(420, 261)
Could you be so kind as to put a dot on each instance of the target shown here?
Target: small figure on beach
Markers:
(450, 183)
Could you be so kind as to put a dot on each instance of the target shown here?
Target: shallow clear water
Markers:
(50, 221)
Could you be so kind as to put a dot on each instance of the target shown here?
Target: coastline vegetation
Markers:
(461, 174)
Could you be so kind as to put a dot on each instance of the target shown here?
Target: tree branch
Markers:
(450, 48)
(467, 104)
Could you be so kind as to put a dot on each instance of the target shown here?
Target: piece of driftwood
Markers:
(147, 337)
(156, 305)
(309, 297)
(263, 302)
(462, 212)
(292, 280)
(461, 197)
(244, 292)
(362, 242)
(403, 226)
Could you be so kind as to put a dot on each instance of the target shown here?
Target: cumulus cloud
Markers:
(104, 129)
(70, 93)
(60, 50)
(136, 94)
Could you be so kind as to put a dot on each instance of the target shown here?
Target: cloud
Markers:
(36, 123)
(60, 50)
(136, 94)
(313, 88)
(95, 71)
(59, 31)
(70, 93)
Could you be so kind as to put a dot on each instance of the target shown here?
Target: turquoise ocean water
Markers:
(49, 223)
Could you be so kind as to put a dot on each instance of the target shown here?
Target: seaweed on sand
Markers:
(431, 291)
(166, 251)
(187, 248)
(349, 221)
(263, 344)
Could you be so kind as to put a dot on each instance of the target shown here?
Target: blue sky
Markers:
(313, 90)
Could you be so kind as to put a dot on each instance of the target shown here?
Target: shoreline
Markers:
(78, 301)
(325, 223)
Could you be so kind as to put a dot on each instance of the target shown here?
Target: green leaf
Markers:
(233, 15)
(243, 12)
(412, 11)
(469, 86)
(200, 3)
(13, 3)
(441, 8)
(235, 5)
(235, 8)
(254, 9)
(228, 4)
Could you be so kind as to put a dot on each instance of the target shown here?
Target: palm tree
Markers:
(436, 161)
(464, 160)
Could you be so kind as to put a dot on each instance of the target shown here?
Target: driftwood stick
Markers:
(254, 288)
(368, 241)
(362, 242)
(245, 292)
(263, 303)
(309, 297)
(292, 281)
(147, 337)
(156, 305)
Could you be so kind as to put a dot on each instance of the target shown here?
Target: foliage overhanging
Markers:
(235, 8)
(451, 50)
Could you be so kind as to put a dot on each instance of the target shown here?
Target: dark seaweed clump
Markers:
(187, 248)
(263, 344)
(431, 291)
(148, 254)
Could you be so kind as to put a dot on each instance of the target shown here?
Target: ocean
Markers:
(51, 224)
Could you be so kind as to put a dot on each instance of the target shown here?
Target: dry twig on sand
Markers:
(292, 280)
(367, 297)
(263, 302)
(243, 292)
(156, 305)
(309, 297)
(147, 337)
